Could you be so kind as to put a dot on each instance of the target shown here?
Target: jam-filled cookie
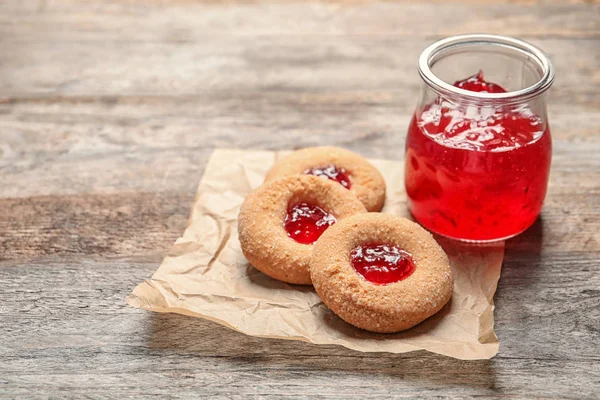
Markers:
(381, 273)
(350, 170)
(279, 222)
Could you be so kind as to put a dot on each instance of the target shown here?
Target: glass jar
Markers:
(478, 148)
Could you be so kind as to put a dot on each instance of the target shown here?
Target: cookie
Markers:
(381, 273)
(340, 165)
(279, 222)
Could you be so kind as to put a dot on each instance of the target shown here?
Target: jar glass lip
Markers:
(433, 52)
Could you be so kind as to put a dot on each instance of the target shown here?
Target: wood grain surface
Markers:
(108, 113)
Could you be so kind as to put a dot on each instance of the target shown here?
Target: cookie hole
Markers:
(332, 172)
(382, 264)
(305, 222)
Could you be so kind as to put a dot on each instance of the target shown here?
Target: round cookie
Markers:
(364, 179)
(263, 215)
(377, 307)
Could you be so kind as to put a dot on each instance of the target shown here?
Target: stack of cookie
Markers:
(316, 221)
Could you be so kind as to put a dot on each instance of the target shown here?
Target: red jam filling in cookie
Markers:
(382, 264)
(331, 172)
(305, 222)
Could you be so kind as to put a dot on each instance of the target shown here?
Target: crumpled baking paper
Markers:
(206, 275)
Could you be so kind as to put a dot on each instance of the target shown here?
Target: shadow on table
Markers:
(172, 335)
(522, 263)
(531, 241)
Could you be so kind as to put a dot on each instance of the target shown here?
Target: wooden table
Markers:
(108, 113)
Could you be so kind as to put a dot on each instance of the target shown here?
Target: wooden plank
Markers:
(169, 153)
(224, 68)
(71, 329)
(116, 225)
(185, 21)
(135, 223)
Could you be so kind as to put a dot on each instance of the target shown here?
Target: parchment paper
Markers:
(206, 275)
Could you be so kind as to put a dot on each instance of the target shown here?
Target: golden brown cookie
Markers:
(381, 273)
(343, 166)
(279, 221)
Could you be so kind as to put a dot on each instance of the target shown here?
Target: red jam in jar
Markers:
(382, 264)
(331, 172)
(476, 83)
(478, 150)
(476, 172)
(305, 223)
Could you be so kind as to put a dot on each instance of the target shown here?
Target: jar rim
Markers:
(430, 54)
